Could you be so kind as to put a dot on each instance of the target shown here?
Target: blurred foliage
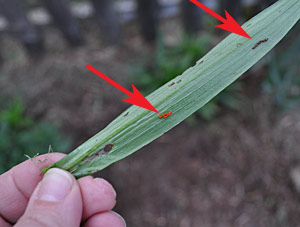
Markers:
(169, 62)
(283, 82)
(20, 136)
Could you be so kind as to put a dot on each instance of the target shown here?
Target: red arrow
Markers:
(229, 24)
(136, 98)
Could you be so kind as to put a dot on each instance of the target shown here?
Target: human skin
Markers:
(55, 199)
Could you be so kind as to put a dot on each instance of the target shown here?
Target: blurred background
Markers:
(235, 162)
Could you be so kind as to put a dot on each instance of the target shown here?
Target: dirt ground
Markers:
(233, 171)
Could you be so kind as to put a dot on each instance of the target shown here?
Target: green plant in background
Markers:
(20, 135)
(168, 62)
(185, 94)
(283, 81)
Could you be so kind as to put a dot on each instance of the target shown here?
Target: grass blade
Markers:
(137, 127)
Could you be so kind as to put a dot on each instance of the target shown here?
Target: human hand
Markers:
(58, 200)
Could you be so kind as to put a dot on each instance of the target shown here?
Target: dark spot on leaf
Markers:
(170, 85)
(126, 114)
(178, 81)
(107, 148)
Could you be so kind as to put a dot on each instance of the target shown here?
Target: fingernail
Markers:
(119, 217)
(55, 185)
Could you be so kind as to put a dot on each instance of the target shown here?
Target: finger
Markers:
(110, 219)
(56, 201)
(17, 185)
(4, 223)
(97, 194)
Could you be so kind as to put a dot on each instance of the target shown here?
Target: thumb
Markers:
(56, 201)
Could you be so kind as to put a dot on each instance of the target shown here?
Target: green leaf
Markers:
(137, 127)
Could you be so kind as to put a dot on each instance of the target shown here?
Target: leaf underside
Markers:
(136, 127)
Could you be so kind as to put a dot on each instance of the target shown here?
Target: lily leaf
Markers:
(185, 94)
